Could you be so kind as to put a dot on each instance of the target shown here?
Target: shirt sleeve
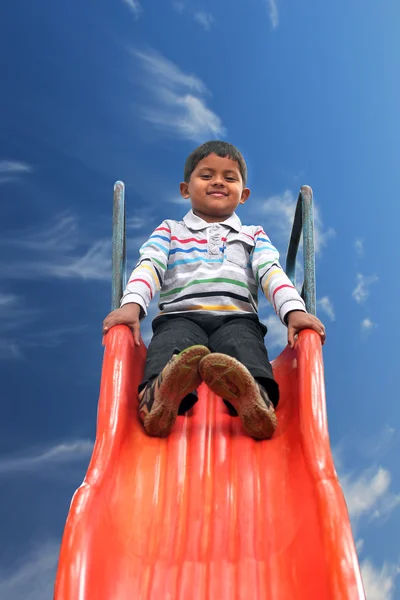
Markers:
(148, 275)
(272, 279)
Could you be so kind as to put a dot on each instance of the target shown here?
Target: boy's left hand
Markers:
(298, 320)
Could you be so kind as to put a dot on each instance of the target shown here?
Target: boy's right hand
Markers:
(126, 315)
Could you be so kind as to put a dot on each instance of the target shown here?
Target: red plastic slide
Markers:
(208, 513)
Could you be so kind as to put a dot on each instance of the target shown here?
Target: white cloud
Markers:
(56, 456)
(146, 325)
(369, 496)
(180, 200)
(16, 334)
(326, 306)
(7, 299)
(277, 333)
(377, 444)
(56, 251)
(280, 209)
(167, 74)
(176, 104)
(135, 7)
(95, 264)
(361, 291)
(367, 326)
(13, 317)
(359, 247)
(359, 545)
(32, 577)
(14, 167)
(204, 19)
(12, 170)
(368, 493)
(136, 222)
(273, 13)
(9, 349)
(59, 234)
(379, 584)
(178, 5)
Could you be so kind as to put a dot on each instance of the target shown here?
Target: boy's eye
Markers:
(230, 178)
(205, 176)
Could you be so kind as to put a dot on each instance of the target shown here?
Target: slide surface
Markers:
(208, 513)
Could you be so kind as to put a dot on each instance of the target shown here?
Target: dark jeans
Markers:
(239, 336)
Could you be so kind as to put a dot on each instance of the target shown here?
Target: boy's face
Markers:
(215, 188)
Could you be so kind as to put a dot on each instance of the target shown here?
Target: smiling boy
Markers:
(208, 268)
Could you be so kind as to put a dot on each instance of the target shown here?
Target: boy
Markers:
(208, 267)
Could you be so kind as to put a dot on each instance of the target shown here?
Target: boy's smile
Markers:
(215, 188)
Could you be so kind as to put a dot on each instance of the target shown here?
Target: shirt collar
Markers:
(194, 222)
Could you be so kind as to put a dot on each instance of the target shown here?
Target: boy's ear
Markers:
(245, 195)
(184, 188)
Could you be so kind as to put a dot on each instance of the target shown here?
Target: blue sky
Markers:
(98, 91)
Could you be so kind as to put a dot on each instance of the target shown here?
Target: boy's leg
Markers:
(250, 374)
(168, 369)
(243, 339)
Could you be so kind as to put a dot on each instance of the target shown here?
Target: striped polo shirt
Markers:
(213, 268)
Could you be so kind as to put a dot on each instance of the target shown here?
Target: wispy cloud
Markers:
(137, 222)
(369, 493)
(12, 170)
(55, 456)
(380, 583)
(325, 305)
(7, 300)
(273, 13)
(135, 7)
(60, 233)
(14, 167)
(176, 102)
(146, 325)
(56, 251)
(179, 5)
(280, 209)
(180, 200)
(206, 20)
(359, 247)
(361, 291)
(359, 545)
(16, 334)
(32, 578)
(14, 317)
(277, 333)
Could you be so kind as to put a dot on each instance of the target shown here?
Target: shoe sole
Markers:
(232, 381)
(181, 378)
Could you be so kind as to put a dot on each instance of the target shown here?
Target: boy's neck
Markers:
(211, 219)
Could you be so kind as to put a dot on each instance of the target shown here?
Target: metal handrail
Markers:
(303, 223)
(118, 245)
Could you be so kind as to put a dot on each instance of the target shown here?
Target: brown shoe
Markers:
(228, 378)
(159, 401)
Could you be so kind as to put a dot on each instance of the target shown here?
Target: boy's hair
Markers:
(222, 149)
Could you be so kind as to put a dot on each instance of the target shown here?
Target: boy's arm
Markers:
(280, 291)
(148, 275)
(272, 279)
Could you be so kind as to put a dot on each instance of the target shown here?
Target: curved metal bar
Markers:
(303, 224)
(118, 245)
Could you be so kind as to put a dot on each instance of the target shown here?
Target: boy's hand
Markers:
(126, 315)
(298, 320)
